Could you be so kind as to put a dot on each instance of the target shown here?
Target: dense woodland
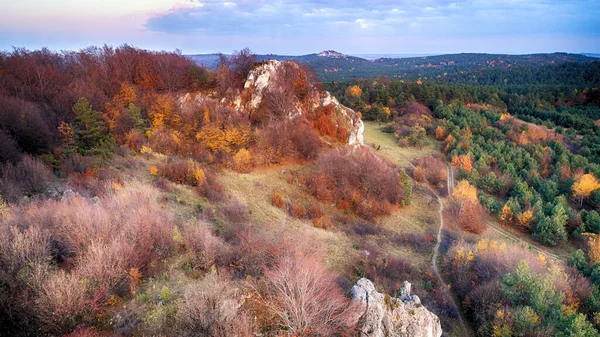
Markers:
(522, 140)
(529, 155)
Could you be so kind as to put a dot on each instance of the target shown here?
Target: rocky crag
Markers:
(386, 316)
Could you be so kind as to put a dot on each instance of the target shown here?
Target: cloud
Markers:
(293, 26)
(449, 18)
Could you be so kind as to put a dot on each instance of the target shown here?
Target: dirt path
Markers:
(507, 234)
(436, 253)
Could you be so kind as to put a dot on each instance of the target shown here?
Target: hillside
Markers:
(334, 66)
(141, 194)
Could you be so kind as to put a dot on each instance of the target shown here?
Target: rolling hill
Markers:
(334, 66)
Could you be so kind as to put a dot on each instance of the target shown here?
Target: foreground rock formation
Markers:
(386, 316)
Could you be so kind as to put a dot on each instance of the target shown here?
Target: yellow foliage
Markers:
(440, 133)
(470, 256)
(354, 91)
(585, 185)
(146, 149)
(525, 218)
(206, 116)
(212, 137)
(242, 160)
(482, 245)
(153, 170)
(388, 113)
(236, 137)
(542, 258)
(465, 191)
(504, 117)
(178, 236)
(419, 82)
(506, 215)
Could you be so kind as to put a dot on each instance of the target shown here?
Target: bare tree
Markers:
(304, 297)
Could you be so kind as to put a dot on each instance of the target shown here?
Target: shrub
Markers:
(356, 179)
(293, 292)
(242, 161)
(298, 210)
(28, 177)
(235, 212)
(212, 307)
(205, 247)
(277, 200)
(63, 304)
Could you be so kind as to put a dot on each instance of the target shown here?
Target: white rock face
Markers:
(386, 316)
(259, 78)
(355, 136)
(264, 78)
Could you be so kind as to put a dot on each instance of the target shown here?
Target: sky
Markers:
(298, 27)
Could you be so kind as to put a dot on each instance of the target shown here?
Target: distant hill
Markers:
(334, 66)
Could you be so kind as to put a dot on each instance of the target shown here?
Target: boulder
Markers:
(386, 316)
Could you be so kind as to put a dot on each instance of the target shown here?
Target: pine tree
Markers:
(91, 131)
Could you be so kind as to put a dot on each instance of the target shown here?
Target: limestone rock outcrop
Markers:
(386, 316)
(267, 77)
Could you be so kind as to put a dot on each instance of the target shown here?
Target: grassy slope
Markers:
(389, 148)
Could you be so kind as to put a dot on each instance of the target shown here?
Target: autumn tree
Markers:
(464, 193)
(584, 186)
(468, 209)
(440, 133)
(464, 162)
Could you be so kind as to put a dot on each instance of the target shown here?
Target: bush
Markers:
(28, 177)
(277, 200)
(298, 210)
(299, 276)
(356, 179)
(62, 303)
(212, 307)
(67, 257)
(206, 248)
(235, 212)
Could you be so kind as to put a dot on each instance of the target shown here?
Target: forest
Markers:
(527, 155)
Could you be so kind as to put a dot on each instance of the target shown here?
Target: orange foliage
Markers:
(464, 161)
(162, 112)
(440, 133)
(277, 200)
(525, 218)
(298, 210)
(419, 174)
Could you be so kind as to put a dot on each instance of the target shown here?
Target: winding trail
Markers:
(436, 253)
(508, 234)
